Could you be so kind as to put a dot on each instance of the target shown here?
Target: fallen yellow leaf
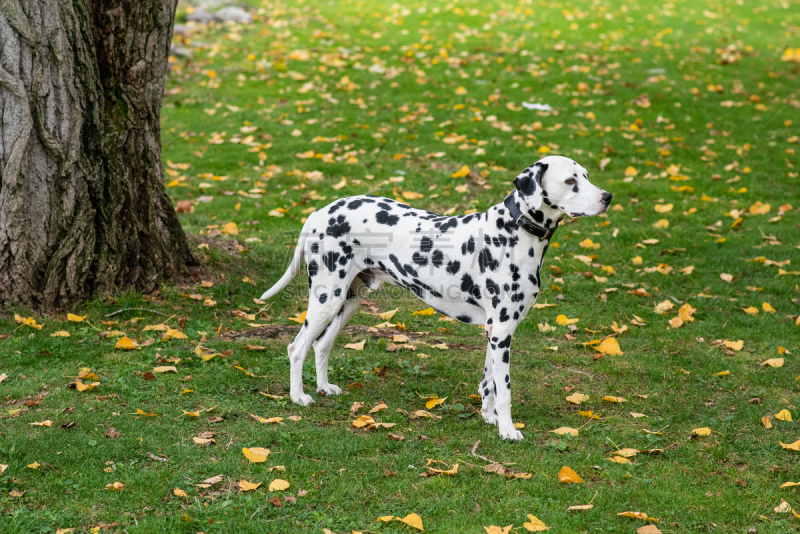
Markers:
(564, 321)
(634, 515)
(278, 485)
(534, 524)
(568, 476)
(126, 343)
(609, 346)
(773, 362)
(81, 386)
(580, 507)
(705, 431)
(577, 398)
(791, 446)
(27, 321)
(783, 415)
(48, 422)
(412, 520)
(378, 408)
(565, 430)
(179, 493)
(462, 172)
(388, 314)
(171, 333)
(356, 346)
(247, 486)
(255, 454)
(434, 401)
(663, 307)
(300, 318)
(734, 345)
(363, 421)
(426, 311)
(265, 420)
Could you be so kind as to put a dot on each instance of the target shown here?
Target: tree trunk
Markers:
(83, 207)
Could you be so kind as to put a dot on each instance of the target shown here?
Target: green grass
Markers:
(304, 68)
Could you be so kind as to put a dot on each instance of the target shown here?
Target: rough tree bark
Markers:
(83, 206)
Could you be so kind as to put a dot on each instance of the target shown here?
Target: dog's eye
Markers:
(571, 181)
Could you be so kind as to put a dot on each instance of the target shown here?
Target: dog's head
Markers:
(557, 185)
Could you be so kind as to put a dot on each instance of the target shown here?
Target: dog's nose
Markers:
(606, 198)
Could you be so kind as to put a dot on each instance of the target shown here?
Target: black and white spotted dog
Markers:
(482, 268)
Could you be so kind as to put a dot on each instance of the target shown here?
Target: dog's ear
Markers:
(529, 184)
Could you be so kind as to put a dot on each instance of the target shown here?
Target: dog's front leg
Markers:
(486, 389)
(500, 345)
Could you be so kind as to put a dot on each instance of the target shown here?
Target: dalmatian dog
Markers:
(482, 268)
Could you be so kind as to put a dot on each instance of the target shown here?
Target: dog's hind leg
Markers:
(323, 305)
(324, 343)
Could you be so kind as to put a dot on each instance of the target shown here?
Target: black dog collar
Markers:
(524, 222)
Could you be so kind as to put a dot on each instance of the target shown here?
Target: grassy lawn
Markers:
(685, 111)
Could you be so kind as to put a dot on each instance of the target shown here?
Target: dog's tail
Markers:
(291, 272)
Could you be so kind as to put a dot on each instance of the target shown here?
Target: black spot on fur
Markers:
(334, 207)
(338, 227)
(492, 287)
(383, 217)
(468, 246)
(453, 267)
(438, 258)
(468, 285)
(486, 261)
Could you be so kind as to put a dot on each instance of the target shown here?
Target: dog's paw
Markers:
(330, 389)
(511, 434)
(302, 399)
